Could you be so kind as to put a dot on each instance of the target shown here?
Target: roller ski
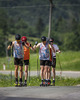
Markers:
(16, 84)
(42, 84)
(20, 84)
(46, 84)
(49, 82)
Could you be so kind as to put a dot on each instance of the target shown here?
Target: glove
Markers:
(36, 43)
(10, 43)
(30, 45)
(23, 43)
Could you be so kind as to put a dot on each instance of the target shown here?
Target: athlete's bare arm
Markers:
(26, 45)
(36, 46)
(58, 51)
(11, 45)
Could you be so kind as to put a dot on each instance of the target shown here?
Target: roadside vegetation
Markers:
(5, 81)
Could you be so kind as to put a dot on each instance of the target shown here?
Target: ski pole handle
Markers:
(10, 43)
(36, 43)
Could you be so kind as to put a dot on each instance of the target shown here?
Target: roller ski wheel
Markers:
(16, 84)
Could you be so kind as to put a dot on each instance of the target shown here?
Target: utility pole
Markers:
(50, 17)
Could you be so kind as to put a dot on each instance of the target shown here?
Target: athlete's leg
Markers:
(26, 62)
(21, 71)
(26, 72)
(16, 71)
(16, 75)
(42, 72)
(53, 71)
(20, 75)
(49, 72)
(46, 72)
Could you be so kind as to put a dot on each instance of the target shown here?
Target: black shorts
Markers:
(26, 62)
(44, 62)
(53, 63)
(18, 61)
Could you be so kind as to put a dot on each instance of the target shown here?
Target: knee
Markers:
(21, 70)
(25, 71)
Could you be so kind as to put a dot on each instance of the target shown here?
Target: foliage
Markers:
(31, 18)
(5, 81)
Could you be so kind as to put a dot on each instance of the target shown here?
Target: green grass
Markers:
(69, 61)
(5, 81)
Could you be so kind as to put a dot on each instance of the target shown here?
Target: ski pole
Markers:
(11, 62)
(60, 66)
(29, 69)
(38, 74)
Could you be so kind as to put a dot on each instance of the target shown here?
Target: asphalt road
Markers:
(40, 93)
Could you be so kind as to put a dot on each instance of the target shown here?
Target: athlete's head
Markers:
(51, 40)
(24, 39)
(17, 37)
(43, 38)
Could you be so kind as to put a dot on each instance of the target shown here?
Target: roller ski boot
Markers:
(42, 83)
(20, 84)
(16, 84)
(46, 84)
(25, 84)
(49, 82)
(53, 82)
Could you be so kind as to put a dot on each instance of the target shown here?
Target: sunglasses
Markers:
(50, 41)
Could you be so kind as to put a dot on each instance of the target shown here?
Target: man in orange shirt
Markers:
(27, 48)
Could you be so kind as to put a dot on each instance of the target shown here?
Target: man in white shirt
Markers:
(53, 58)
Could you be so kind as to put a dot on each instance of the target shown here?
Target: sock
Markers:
(42, 80)
(25, 81)
(16, 79)
(20, 79)
(53, 79)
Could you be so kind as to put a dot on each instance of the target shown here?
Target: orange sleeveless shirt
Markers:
(26, 52)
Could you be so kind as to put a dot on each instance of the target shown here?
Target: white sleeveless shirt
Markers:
(18, 50)
(44, 52)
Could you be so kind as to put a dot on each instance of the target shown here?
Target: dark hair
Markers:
(52, 39)
(43, 38)
(18, 37)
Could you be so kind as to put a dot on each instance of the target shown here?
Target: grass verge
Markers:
(5, 81)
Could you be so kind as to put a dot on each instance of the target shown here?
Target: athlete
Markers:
(44, 57)
(53, 57)
(18, 58)
(26, 56)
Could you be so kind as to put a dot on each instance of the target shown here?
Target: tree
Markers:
(3, 31)
(40, 27)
